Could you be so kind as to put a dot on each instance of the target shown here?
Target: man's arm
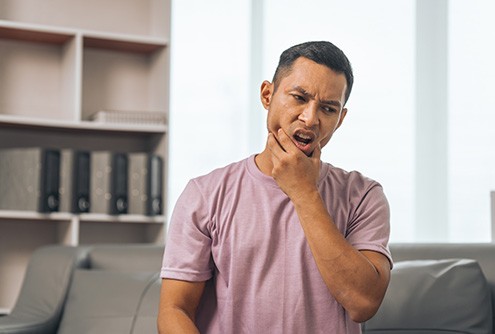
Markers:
(357, 279)
(178, 303)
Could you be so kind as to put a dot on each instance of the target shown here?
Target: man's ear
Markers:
(266, 93)
(342, 116)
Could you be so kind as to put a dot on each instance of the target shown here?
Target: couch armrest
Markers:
(434, 296)
(40, 303)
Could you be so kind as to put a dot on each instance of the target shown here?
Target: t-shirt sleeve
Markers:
(187, 253)
(369, 227)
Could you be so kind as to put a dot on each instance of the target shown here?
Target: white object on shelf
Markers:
(129, 117)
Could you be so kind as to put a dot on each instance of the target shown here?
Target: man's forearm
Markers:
(350, 276)
(174, 320)
(178, 303)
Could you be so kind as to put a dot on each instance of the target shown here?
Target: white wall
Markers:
(209, 93)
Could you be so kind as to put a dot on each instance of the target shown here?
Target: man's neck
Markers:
(264, 163)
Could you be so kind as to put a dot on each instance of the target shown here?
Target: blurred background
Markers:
(420, 117)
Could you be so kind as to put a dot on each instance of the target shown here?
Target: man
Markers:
(281, 242)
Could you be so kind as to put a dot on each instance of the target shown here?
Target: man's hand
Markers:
(295, 173)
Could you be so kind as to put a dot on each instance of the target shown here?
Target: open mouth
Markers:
(303, 141)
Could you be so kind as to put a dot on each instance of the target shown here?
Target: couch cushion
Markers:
(104, 301)
(128, 258)
(434, 296)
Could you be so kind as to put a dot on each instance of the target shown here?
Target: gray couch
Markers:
(94, 289)
(435, 288)
(438, 288)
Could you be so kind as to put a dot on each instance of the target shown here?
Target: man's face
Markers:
(308, 104)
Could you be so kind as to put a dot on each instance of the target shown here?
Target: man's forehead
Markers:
(325, 87)
(315, 79)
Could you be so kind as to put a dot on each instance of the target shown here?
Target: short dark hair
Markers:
(321, 52)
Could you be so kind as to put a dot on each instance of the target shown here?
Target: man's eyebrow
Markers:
(307, 94)
(303, 91)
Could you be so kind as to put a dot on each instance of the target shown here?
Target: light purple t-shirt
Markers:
(236, 228)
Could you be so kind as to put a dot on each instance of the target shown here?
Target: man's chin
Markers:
(307, 149)
(308, 153)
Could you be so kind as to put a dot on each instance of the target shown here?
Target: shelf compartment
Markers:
(24, 132)
(81, 140)
(114, 80)
(140, 17)
(39, 68)
(104, 232)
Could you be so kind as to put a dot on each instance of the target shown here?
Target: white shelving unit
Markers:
(61, 62)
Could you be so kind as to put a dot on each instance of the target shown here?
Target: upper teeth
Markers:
(303, 136)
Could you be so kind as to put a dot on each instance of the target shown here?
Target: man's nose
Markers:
(309, 115)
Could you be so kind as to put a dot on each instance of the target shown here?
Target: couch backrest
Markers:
(483, 253)
(126, 258)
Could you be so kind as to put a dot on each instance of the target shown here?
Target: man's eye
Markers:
(328, 109)
(298, 97)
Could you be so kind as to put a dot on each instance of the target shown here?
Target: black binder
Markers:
(49, 181)
(155, 185)
(119, 184)
(81, 182)
(145, 184)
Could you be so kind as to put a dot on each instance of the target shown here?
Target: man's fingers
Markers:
(285, 141)
(317, 153)
(274, 145)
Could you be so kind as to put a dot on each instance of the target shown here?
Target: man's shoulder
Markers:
(221, 174)
(342, 176)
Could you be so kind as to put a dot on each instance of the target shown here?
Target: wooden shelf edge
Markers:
(10, 121)
(125, 218)
(7, 215)
(123, 42)
(103, 40)
(35, 216)
(34, 32)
